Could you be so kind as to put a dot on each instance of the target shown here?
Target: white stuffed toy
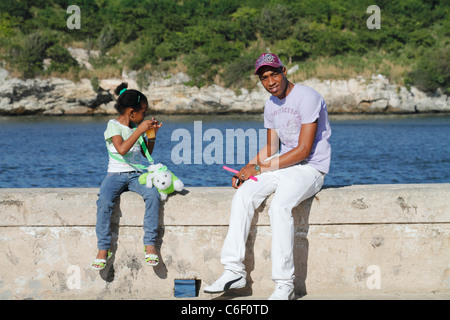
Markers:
(163, 179)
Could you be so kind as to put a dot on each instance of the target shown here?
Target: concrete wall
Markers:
(359, 240)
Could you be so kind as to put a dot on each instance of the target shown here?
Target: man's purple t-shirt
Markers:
(302, 105)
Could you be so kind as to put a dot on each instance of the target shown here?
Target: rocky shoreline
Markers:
(170, 95)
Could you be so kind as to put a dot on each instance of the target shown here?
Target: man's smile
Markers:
(274, 89)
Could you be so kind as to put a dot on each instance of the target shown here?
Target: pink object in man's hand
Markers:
(235, 171)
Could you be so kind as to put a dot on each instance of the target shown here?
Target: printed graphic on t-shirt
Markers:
(290, 132)
(303, 105)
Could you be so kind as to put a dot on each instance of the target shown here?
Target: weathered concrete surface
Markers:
(375, 240)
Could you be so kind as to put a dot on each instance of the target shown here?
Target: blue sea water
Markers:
(53, 152)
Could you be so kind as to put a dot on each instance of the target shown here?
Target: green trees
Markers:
(211, 38)
(432, 71)
(30, 54)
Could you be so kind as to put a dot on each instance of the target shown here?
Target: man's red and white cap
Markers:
(267, 59)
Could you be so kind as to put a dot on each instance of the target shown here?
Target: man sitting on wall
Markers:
(296, 116)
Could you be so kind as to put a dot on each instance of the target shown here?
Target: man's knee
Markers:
(249, 198)
(278, 206)
(243, 196)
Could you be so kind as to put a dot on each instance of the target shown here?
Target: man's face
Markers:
(274, 80)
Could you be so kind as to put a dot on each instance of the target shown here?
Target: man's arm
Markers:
(299, 153)
(271, 148)
(296, 155)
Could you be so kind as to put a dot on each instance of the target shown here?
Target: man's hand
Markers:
(243, 175)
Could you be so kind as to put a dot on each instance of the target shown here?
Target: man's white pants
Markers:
(291, 185)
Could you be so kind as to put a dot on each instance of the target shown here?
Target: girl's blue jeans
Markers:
(112, 187)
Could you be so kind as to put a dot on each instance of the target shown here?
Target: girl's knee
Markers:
(104, 202)
(151, 194)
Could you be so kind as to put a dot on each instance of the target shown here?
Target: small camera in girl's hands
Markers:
(162, 179)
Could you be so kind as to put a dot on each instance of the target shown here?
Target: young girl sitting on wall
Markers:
(121, 137)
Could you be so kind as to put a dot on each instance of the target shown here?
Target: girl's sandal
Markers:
(100, 264)
(151, 259)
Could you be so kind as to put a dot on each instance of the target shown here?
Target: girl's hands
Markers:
(146, 125)
(156, 125)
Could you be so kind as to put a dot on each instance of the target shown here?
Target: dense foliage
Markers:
(219, 40)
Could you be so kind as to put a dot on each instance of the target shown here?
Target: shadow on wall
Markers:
(301, 245)
(108, 273)
(301, 248)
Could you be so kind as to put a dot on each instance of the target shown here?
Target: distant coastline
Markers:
(172, 95)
